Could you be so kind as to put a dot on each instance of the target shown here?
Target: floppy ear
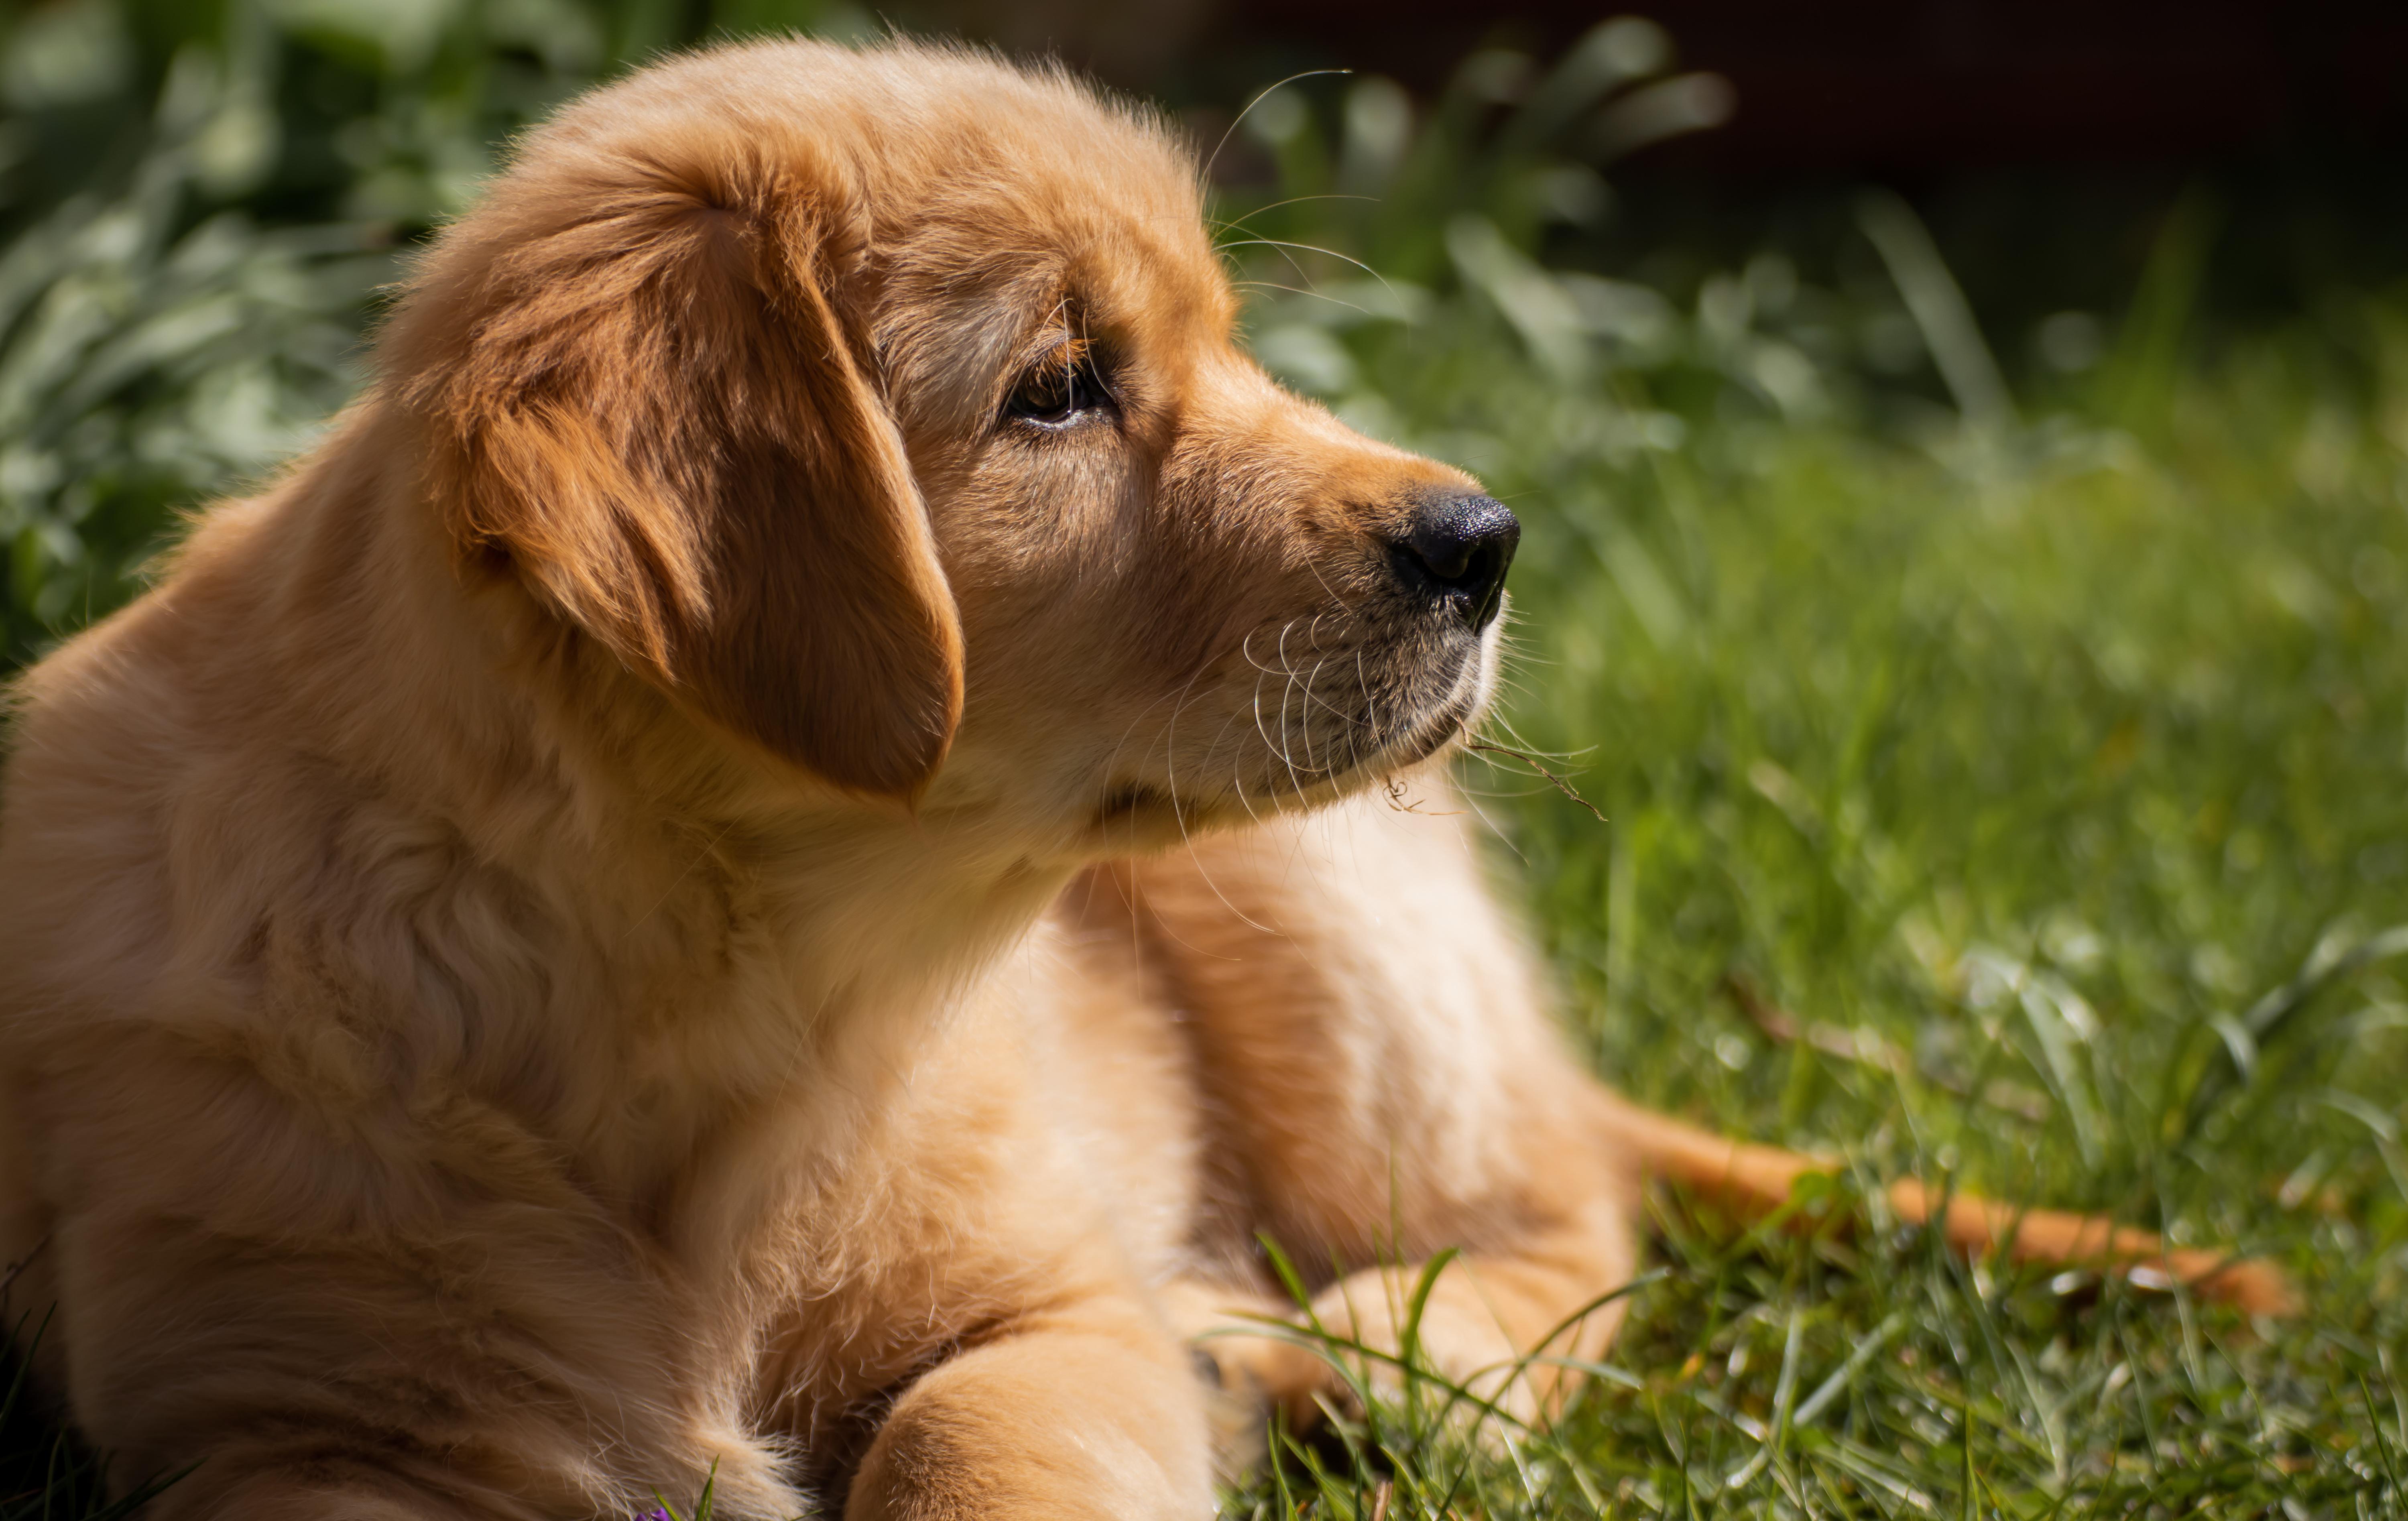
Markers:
(645, 401)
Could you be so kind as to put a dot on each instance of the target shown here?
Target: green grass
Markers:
(2033, 743)
(2044, 758)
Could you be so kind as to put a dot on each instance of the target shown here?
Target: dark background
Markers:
(2044, 140)
(1911, 85)
(1920, 85)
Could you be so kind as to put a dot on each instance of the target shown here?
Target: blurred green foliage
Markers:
(2000, 740)
(199, 199)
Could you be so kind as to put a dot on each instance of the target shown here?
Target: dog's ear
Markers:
(644, 399)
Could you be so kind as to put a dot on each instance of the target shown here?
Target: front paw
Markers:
(1247, 1374)
(1048, 1427)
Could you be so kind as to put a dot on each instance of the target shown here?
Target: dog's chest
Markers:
(1050, 1128)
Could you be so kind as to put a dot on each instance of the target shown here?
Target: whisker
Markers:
(1286, 758)
(1259, 94)
(1304, 707)
(1298, 290)
(1310, 248)
(1293, 200)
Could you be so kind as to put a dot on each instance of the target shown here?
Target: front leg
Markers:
(1374, 1034)
(970, 1334)
(1088, 1413)
(1493, 1323)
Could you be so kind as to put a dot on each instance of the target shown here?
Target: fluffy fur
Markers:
(632, 914)
(538, 962)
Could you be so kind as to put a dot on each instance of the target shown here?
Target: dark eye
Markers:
(1055, 394)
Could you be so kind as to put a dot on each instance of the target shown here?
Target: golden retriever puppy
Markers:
(601, 929)
(530, 965)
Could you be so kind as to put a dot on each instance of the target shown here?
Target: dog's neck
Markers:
(721, 945)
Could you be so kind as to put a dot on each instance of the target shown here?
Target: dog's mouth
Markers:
(1130, 801)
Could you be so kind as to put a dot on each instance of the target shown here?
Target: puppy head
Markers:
(883, 409)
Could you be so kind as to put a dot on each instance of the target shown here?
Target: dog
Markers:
(771, 863)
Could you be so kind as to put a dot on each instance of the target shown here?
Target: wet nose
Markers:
(1455, 550)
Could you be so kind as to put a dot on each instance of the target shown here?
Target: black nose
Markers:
(1455, 550)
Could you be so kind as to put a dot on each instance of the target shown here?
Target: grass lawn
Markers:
(2001, 780)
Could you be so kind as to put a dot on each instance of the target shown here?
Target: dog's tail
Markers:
(1754, 1181)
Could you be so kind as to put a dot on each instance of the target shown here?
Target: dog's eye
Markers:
(1055, 394)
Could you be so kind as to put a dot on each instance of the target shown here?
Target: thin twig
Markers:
(1868, 1049)
(1400, 798)
(1484, 748)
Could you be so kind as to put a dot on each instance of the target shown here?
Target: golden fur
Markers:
(630, 914)
(533, 962)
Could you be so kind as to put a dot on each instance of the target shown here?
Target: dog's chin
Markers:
(1139, 816)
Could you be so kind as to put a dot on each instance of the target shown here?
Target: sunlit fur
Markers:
(569, 943)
